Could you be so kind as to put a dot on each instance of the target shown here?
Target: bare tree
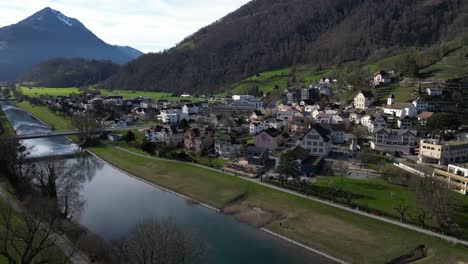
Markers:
(59, 181)
(401, 208)
(13, 163)
(422, 216)
(31, 237)
(160, 242)
(87, 124)
(434, 196)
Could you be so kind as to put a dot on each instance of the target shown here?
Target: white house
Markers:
(172, 116)
(421, 105)
(382, 77)
(317, 140)
(399, 109)
(405, 122)
(363, 100)
(190, 109)
(434, 91)
(256, 127)
(237, 97)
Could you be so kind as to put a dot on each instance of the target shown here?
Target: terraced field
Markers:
(454, 65)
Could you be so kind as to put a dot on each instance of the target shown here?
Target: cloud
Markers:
(148, 25)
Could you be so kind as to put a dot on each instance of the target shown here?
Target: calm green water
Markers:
(116, 202)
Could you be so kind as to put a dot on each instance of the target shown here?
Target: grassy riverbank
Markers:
(55, 121)
(342, 234)
(5, 127)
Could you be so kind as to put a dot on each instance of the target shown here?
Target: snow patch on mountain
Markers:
(62, 17)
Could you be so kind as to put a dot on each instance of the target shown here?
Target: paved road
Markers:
(62, 242)
(379, 218)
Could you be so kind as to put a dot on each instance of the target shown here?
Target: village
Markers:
(244, 135)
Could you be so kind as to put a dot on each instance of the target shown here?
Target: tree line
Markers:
(63, 72)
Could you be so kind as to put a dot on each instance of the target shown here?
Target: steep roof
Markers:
(367, 94)
(273, 132)
(322, 131)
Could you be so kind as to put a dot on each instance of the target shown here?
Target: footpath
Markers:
(342, 207)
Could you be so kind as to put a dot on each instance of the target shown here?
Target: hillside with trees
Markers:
(58, 73)
(265, 35)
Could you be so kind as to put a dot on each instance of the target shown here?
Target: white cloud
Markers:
(148, 25)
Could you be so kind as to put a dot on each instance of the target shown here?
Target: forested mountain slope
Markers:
(274, 34)
(77, 72)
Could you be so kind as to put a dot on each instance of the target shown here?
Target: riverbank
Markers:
(55, 121)
(5, 127)
(347, 236)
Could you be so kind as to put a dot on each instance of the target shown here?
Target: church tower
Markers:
(391, 99)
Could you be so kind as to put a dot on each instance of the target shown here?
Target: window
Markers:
(321, 144)
(314, 150)
(315, 143)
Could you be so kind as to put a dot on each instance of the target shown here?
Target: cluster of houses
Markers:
(252, 135)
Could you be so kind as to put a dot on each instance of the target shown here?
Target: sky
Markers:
(147, 25)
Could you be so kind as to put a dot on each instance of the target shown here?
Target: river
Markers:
(115, 203)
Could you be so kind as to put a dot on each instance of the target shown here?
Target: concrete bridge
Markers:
(75, 132)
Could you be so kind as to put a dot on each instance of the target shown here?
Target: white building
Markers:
(317, 140)
(256, 127)
(172, 116)
(248, 102)
(190, 109)
(242, 97)
(434, 91)
(363, 100)
(399, 109)
(421, 105)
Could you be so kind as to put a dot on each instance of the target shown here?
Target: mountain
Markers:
(273, 34)
(76, 72)
(49, 34)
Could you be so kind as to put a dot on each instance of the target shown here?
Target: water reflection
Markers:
(23, 123)
(114, 203)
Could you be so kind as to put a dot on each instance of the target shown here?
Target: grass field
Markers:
(378, 194)
(38, 91)
(349, 236)
(55, 121)
(402, 93)
(266, 81)
(454, 65)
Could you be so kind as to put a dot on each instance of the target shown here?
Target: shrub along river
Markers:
(116, 202)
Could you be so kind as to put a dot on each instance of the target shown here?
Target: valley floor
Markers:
(345, 235)
(342, 234)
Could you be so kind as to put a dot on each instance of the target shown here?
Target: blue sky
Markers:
(148, 25)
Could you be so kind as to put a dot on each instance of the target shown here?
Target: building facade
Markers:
(442, 153)
(317, 140)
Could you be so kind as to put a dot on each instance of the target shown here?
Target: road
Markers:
(351, 210)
